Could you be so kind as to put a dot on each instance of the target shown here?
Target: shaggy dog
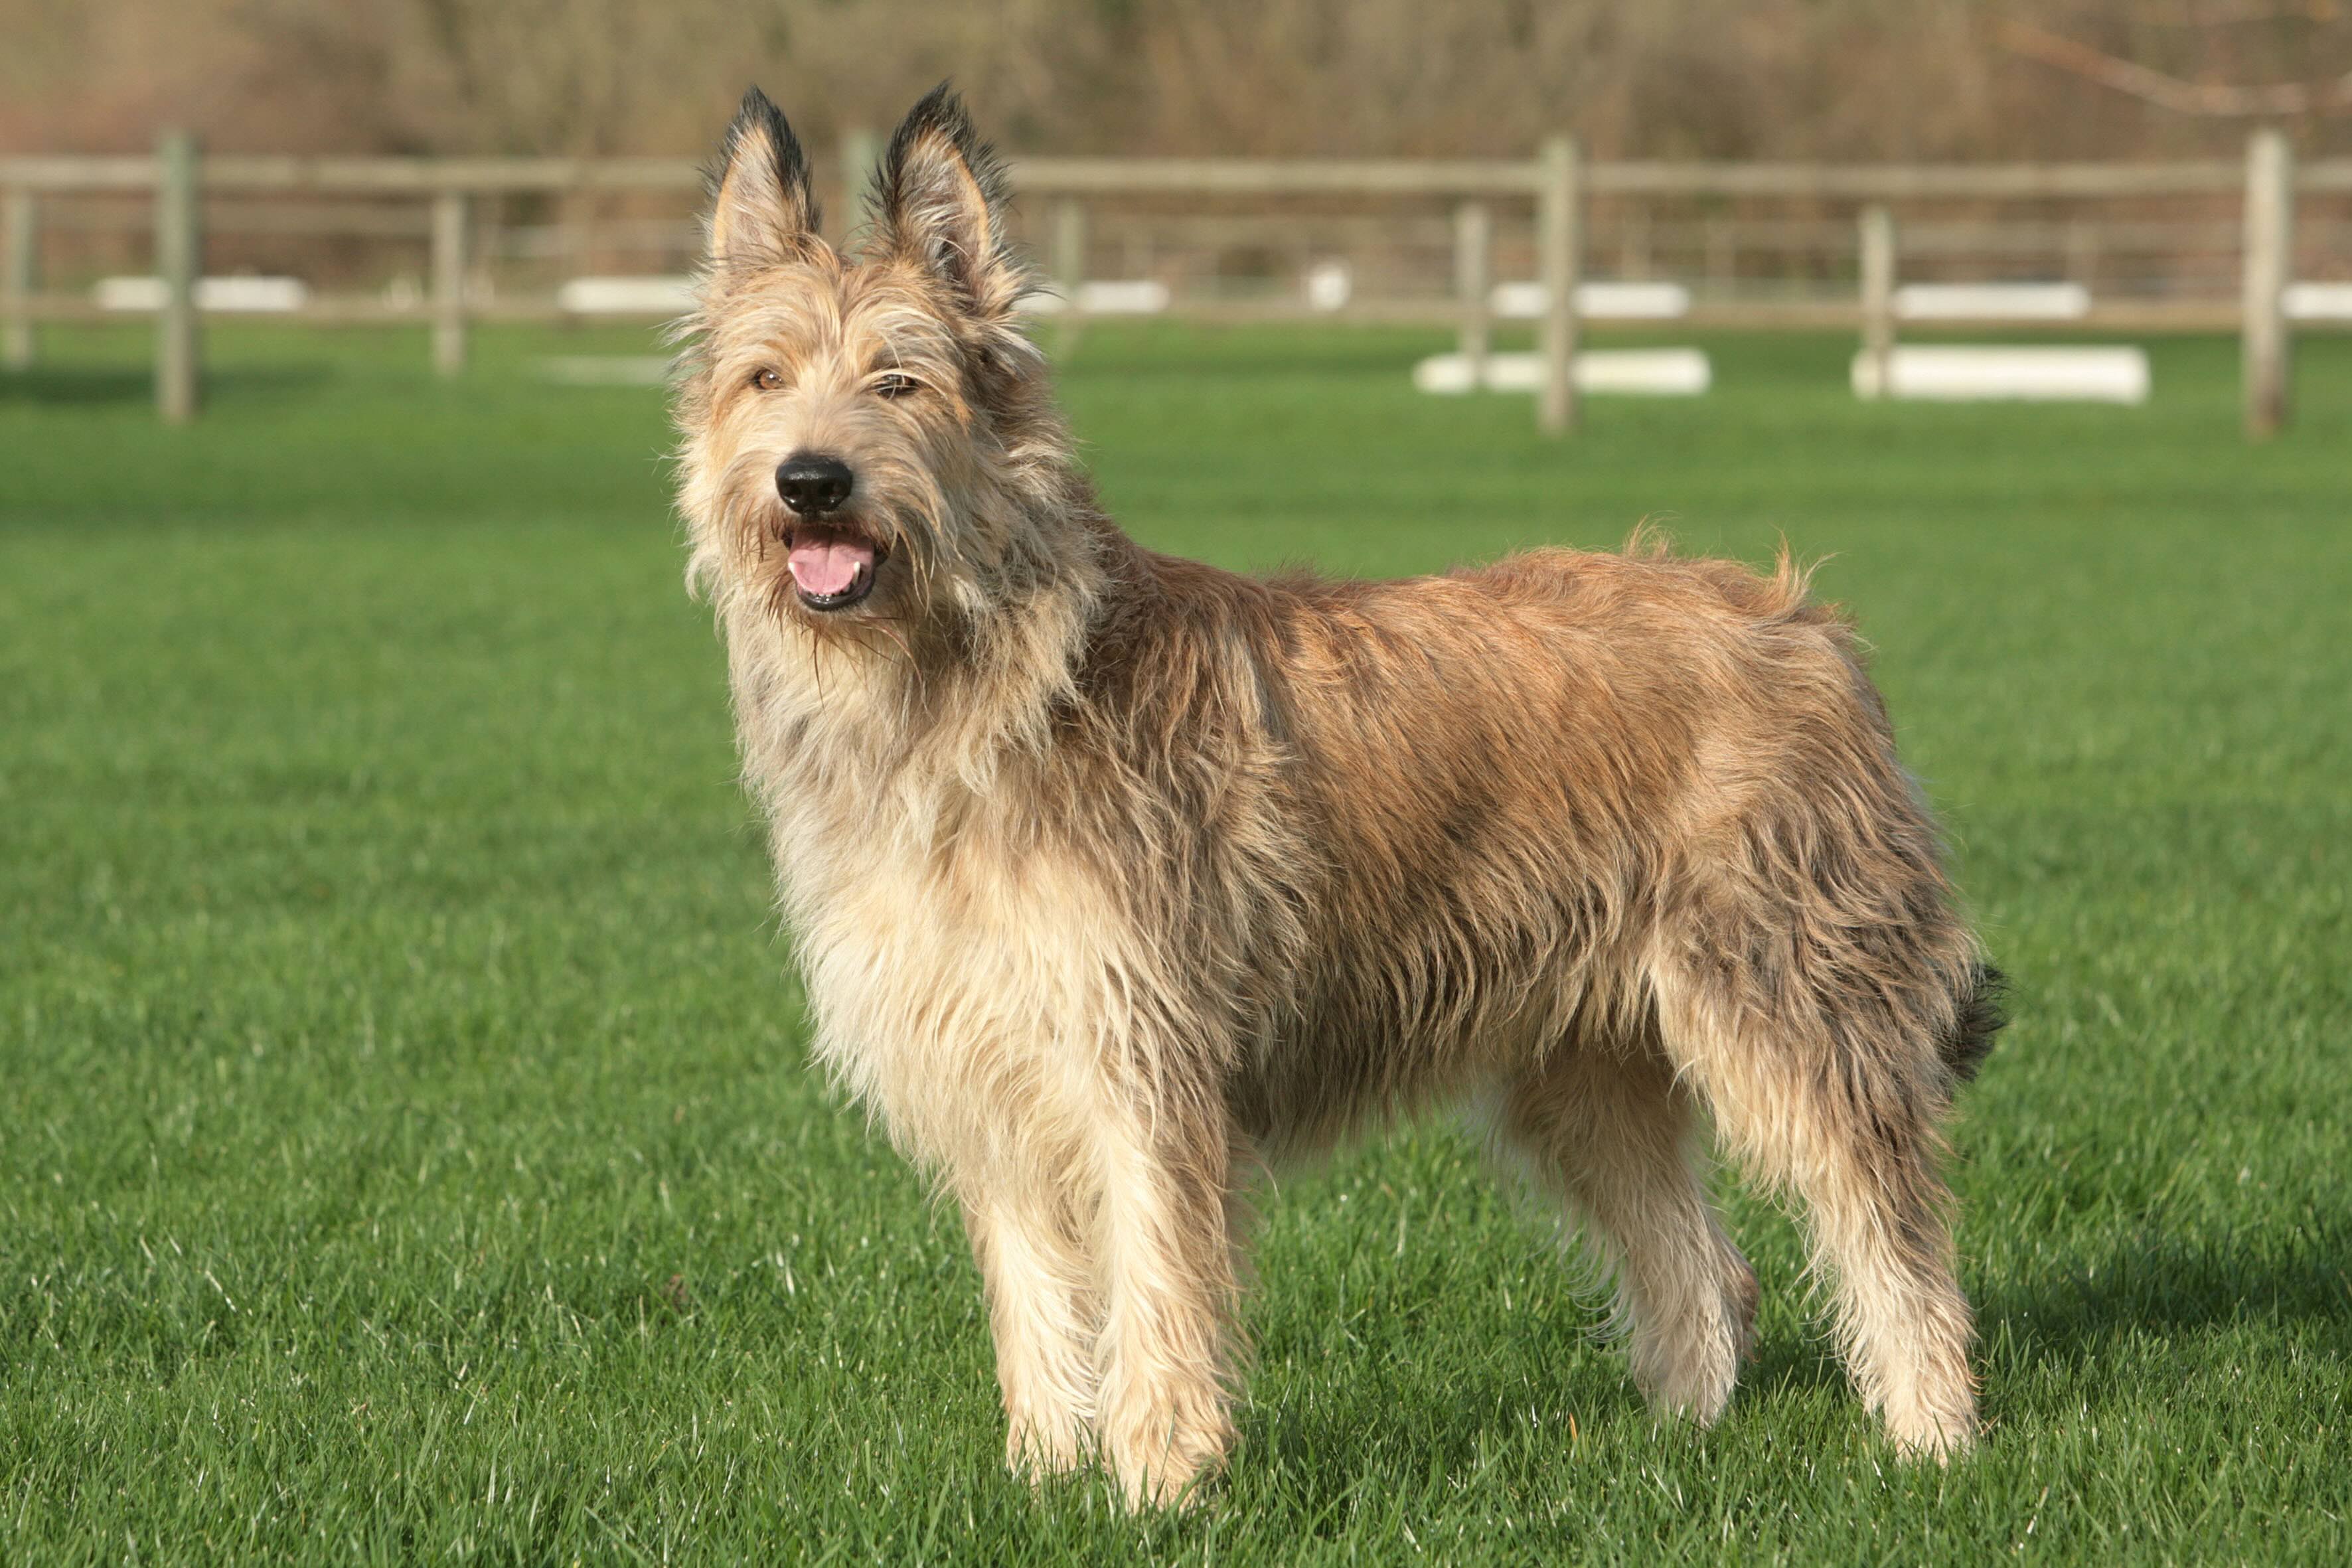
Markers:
(1115, 875)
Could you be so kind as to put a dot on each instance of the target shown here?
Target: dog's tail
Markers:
(1977, 1019)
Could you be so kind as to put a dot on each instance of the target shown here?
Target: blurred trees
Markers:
(1841, 78)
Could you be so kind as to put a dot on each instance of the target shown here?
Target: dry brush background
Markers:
(1837, 78)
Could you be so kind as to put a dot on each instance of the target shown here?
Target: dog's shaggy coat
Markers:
(1113, 875)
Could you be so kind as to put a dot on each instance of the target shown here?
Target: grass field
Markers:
(410, 1151)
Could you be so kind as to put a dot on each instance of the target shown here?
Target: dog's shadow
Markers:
(2178, 1285)
(2078, 1312)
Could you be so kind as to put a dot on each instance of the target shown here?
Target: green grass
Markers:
(410, 1151)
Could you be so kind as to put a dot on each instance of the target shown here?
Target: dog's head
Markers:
(869, 434)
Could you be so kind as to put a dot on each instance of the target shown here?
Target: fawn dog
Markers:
(1114, 875)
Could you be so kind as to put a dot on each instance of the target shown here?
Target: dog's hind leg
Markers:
(1832, 1086)
(1609, 1132)
(1042, 1314)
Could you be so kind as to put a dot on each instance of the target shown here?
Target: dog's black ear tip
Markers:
(759, 163)
(942, 110)
(942, 102)
(757, 110)
(756, 113)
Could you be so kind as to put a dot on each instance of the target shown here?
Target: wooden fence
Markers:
(1553, 188)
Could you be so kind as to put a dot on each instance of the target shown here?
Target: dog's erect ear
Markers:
(941, 202)
(761, 208)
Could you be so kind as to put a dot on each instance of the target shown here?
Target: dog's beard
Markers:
(857, 585)
(895, 574)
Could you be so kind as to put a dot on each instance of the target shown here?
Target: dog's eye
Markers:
(893, 385)
(767, 378)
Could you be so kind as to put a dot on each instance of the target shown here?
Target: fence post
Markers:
(449, 225)
(1474, 282)
(1558, 240)
(1069, 269)
(2270, 267)
(179, 263)
(20, 340)
(1877, 302)
(1722, 256)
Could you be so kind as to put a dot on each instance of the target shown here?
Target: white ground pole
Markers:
(1970, 373)
(1957, 372)
(2319, 301)
(1620, 301)
(1102, 297)
(236, 296)
(1657, 373)
(1992, 303)
(649, 296)
(633, 298)
(1654, 372)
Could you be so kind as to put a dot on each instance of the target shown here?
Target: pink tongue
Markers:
(827, 565)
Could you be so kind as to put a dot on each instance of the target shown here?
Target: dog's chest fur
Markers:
(966, 973)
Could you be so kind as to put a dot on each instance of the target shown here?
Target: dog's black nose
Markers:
(813, 484)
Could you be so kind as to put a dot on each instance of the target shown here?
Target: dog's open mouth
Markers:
(833, 568)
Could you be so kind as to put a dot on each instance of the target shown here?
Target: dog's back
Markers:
(1460, 818)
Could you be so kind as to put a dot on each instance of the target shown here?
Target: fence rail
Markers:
(1207, 176)
(1551, 191)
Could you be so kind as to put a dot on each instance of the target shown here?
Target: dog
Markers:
(1115, 875)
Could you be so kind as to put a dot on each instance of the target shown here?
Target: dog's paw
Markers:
(1038, 1451)
(1943, 1437)
(1168, 1487)
(1165, 1456)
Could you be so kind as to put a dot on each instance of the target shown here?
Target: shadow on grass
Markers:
(113, 386)
(2176, 1286)
(2176, 1290)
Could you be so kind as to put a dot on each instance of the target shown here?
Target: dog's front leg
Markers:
(1168, 1285)
(1042, 1312)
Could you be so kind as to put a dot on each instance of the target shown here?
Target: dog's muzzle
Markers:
(833, 566)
